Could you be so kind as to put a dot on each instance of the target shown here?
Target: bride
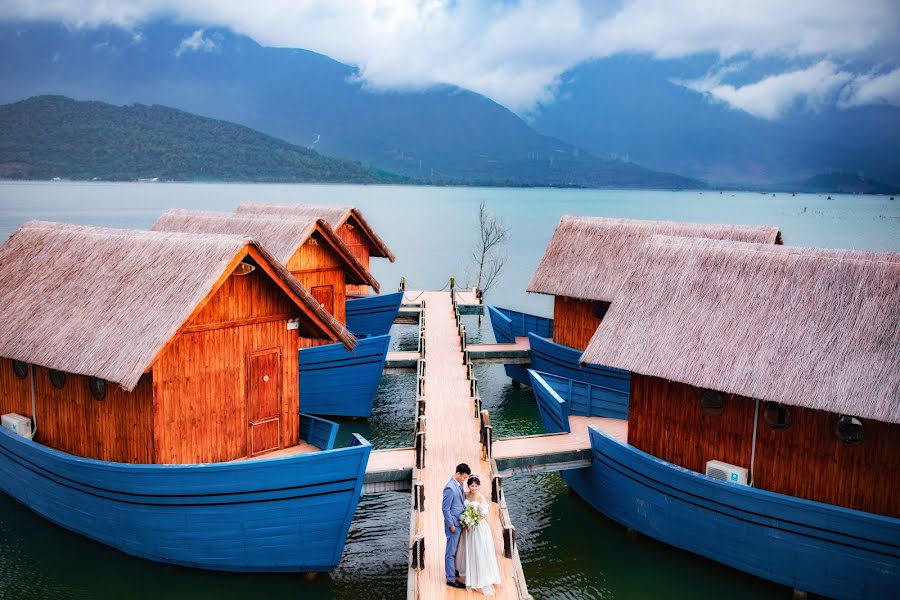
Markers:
(476, 558)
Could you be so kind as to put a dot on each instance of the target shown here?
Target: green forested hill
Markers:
(53, 136)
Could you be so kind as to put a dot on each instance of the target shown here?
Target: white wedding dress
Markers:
(476, 558)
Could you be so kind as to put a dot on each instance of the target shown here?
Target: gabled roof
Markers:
(807, 327)
(589, 257)
(105, 302)
(335, 216)
(283, 237)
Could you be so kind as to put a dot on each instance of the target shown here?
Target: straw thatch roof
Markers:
(803, 326)
(282, 237)
(589, 257)
(104, 302)
(333, 215)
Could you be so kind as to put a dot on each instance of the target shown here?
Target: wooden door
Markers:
(324, 295)
(264, 400)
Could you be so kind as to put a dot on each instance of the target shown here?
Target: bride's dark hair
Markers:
(473, 479)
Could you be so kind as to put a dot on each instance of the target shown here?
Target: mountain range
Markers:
(621, 122)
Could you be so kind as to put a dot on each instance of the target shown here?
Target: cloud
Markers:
(195, 42)
(772, 96)
(515, 51)
(872, 88)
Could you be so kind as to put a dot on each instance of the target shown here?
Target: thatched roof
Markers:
(335, 216)
(589, 257)
(804, 326)
(104, 302)
(282, 236)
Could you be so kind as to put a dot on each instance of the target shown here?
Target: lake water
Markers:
(568, 550)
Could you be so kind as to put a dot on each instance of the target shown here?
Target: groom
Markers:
(453, 507)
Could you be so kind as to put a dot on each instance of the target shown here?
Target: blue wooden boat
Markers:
(581, 399)
(510, 324)
(340, 382)
(290, 513)
(550, 357)
(820, 548)
(373, 315)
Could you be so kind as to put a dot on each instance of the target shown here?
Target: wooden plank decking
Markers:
(485, 354)
(451, 437)
(389, 470)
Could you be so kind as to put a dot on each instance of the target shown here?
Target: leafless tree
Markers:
(489, 257)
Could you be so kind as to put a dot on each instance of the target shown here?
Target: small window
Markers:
(712, 402)
(57, 378)
(600, 309)
(98, 388)
(777, 416)
(849, 430)
(20, 368)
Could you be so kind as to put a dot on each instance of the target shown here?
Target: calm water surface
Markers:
(568, 550)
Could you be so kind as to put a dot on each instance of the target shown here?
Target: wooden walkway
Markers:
(448, 433)
(480, 354)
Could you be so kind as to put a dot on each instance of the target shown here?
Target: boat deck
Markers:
(452, 437)
(301, 448)
(389, 470)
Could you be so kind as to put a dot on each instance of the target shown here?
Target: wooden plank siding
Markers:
(117, 428)
(574, 322)
(201, 385)
(805, 460)
(352, 234)
(316, 264)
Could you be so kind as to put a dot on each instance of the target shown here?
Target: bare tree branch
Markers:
(487, 258)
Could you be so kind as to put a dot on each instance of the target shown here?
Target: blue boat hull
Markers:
(373, 315)
(811, 546)
(271, 515)
(510, 324)
(338, 382)
(807, 545)
(582, 398)
(556, 359)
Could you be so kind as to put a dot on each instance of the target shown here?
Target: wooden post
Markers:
(496, 489)
(466, 358)
(417, 560)
(403, 283)
(419, 496)
(488, 450)
(473, 386)
(420, 407)
(420, 450)
(509, 541)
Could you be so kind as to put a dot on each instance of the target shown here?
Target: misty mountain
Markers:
(443, 135)
(632, 107)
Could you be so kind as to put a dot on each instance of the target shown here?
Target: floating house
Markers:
(583, 268)
(336, 381)
(149, 385)
(307, 246)
(347, 221)
(366, 316)
(764, 422)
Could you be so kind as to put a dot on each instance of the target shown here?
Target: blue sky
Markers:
(772, 56)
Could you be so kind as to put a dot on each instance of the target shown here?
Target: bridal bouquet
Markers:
(471, 516)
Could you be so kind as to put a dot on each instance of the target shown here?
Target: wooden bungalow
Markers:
(588, 258)
(780, 360)
(307, 246)
(347, 221)
(151, 347)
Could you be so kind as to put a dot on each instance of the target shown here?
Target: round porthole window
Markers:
(57, 378)
(777, 416)
(98, 388)
(20, 368)
(849, 430)
(712, 402)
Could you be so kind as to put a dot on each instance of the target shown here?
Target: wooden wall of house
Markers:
(317, 265)
(117, 428)
(574, 322)
(805, 460)
(352, 235)
(201, 383)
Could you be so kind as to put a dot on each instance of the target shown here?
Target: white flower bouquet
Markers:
(471, 516)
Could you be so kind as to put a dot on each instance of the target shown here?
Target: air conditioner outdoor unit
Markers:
(716, 469)
(17, 424)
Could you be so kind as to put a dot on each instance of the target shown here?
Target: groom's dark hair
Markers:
(463, 468)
